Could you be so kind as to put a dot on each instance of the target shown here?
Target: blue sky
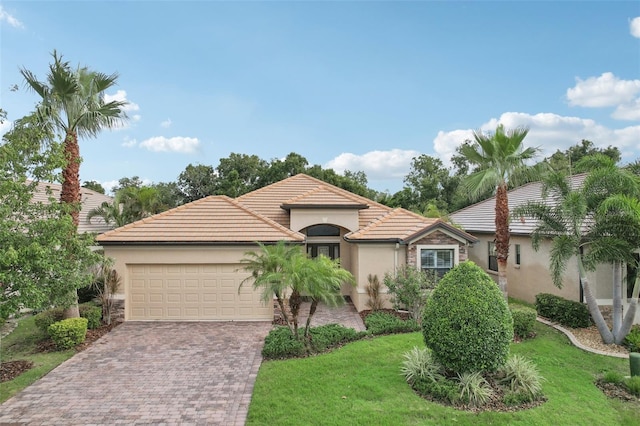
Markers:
(348, 85)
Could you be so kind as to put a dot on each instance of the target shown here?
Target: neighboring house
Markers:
(184, 264)
(89, 199)
(527, 270)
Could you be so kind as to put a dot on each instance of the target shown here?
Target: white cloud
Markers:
(129, 143)
(547, 131)
(634, 26)
(176, 144)
(109, 185)
(128, 108)
(391, 164)
(630, 111)
(5, 126)
(166, 123)
(9, 19)
(604, 91)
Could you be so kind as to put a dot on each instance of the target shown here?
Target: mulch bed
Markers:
(11, 369)
(613, 390)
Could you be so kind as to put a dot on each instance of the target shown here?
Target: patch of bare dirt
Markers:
(12, 369)
(613, 390)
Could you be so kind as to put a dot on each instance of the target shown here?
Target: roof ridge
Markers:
(272, 185)
(156, 216)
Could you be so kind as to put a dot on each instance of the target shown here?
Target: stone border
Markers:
(576, 343)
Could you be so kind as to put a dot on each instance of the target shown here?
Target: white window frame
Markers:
(455, 248)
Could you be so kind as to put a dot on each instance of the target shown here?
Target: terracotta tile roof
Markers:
(90, 200)
(404, 226)
(480, 217)
(269, 200)
(263, 215)
(214, 219)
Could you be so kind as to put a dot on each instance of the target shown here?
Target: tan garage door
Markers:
(193, 292)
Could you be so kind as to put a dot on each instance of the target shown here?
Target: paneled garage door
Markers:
(193, 292)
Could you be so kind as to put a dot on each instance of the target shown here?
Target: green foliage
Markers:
(280, 344)
(516, 398)
(385, 323)
(332, 335)
(614, 377)
(92, 313)
(68, 333)
(410, 289)
(419, 364)
(566, 312)
(632, 341)
(467, 322)
(474, 389)
(633, 385)
(522, 377)
(441, 390)
(523, 320)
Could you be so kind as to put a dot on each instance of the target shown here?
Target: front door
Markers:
(331, 250)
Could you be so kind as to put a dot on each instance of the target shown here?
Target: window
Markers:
(323, 231)
(518, 254)
(332, 251)
(493, 259)
(439, 261)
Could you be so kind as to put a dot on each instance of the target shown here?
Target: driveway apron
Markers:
(150, 373)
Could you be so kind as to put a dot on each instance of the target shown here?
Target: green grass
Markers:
(21, 344)
(361, 384)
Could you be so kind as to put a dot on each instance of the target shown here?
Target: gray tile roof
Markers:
(480, 217)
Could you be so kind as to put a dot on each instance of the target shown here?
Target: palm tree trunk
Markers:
(294, 304)
(592, 305)
(502, 236)
(312, 311)
(630, 315)
(285, 316)
(70, 195)
(617, 297)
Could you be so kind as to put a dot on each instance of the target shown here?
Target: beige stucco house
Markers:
(184, 264)
(528, 270)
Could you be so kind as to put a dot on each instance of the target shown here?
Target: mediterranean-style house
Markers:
(185, 263)
(528, 270)
(89, 199)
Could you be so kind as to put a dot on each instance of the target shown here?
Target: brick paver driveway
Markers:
(150, 373)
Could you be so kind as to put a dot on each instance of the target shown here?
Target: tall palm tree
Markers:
(500, 160)
(111, 213)
(72, 103)
(588, 234)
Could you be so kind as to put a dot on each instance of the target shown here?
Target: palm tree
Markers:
(501, 161)
(72, 103)
(111, 213)
(588, 234)
(267, 269)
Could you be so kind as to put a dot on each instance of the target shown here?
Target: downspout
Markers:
(395, 258)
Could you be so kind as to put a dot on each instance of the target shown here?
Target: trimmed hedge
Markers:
(69, 332)
(92, 313)
(385, 323)
(466, 322)
(523, 320)
(280, 343)
(566, 312)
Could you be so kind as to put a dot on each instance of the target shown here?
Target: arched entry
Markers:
(323, 240)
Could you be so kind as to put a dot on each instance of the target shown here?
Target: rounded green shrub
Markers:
(45, 318)
(523, 320)
(69, 332)
(466, 322)
(93, 314)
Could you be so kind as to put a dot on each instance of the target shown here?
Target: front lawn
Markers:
(22, 344)
(361, 384)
